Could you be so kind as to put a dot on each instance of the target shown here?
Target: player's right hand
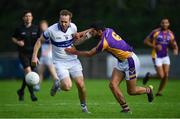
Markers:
(20, 43)
(34, 61)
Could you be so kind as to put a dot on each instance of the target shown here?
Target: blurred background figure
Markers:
(146, 15)
(160, 40)
(25, 37)
(46, 56)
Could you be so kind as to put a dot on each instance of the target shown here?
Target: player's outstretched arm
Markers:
(37, 46)
(82, 36)
(81, 53)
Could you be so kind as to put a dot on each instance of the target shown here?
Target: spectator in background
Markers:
(25, 36)
(159, 40)
(46, 55)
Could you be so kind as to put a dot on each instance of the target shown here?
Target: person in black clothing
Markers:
(25, 38)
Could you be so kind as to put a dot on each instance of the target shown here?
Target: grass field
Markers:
(100, 102)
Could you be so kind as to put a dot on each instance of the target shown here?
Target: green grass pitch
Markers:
(100, 101)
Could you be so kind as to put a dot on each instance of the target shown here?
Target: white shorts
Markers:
(130, 67)
(71, 68)
(161, 61)
(46, 60)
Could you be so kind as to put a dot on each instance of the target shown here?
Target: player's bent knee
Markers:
(81, 86)
(80, 83)
(66, 87)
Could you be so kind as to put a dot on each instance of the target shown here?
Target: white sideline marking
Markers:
(62, 104)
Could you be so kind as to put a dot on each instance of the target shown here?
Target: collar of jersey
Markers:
(60, 28)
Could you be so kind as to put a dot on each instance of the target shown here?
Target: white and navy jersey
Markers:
(60, 40)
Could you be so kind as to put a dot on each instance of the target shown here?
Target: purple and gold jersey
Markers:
(158, 37)
(114, 44)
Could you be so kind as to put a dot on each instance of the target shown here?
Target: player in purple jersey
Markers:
(127, 67)
(160, 39)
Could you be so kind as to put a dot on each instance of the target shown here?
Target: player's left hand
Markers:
(71, 51)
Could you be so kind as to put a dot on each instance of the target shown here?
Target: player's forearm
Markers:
(176, 46)
(176, 49)
(87, 53)
(14, 40)
(84, 32)
(36, 48)
(84, 35)
(148, 43)
(80, 41)
(84, 53)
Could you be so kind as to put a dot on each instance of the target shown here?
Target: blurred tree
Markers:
(131, 19)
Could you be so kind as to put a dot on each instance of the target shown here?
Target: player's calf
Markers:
(132, 92)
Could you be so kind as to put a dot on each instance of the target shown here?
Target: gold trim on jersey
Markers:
(120, 54)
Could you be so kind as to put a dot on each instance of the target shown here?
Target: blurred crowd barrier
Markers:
(99, 66)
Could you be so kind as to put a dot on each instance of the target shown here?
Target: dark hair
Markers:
(98, 25)
(26, 11)
(65, 12)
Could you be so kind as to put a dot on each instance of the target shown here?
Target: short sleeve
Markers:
(74, 27)
(46, 35)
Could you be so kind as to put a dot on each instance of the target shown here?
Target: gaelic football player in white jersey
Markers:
(61, 36)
